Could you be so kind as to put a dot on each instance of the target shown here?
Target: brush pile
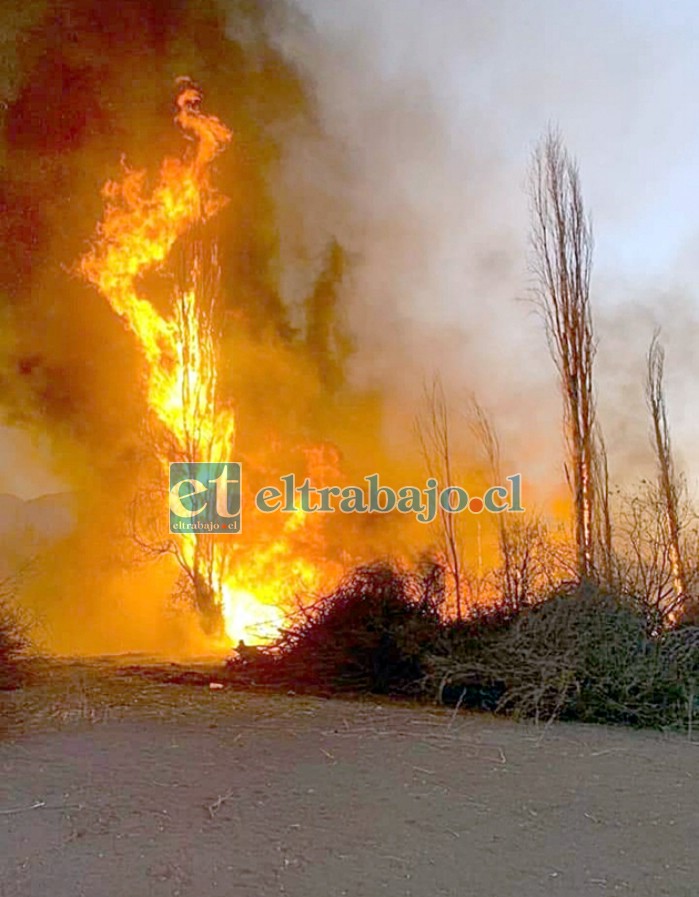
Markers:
(371, 634)
(581, 654)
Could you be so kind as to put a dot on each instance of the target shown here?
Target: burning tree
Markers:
(196, 394)
(186, 422)
(561, 241)
(186, 417)
(326, 342)
(643, 558)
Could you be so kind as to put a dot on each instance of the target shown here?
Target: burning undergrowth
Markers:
(371, 634)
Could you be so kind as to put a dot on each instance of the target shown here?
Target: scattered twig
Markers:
(40, 805)
(219, 802)
(457, 708)
(36, 806)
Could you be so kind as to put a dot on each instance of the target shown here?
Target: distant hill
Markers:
(28, 527)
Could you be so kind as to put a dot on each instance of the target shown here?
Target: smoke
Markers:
(433, 111)
(377, 203)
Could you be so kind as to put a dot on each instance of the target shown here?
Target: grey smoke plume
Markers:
(429, 113)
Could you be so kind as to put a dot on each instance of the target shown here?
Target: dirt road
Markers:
(216, 794)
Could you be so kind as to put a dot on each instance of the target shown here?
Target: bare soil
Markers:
(114, 783)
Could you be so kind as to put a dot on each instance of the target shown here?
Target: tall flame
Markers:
(137, 233)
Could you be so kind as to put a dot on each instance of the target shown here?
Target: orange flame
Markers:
(137, 233)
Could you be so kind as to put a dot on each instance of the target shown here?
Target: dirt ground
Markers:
(113, 784)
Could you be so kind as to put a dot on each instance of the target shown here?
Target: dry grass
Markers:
(14, 645)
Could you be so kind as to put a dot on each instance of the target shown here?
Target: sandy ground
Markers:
(115, 786)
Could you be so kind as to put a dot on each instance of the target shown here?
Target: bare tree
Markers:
(530, 563)
(642, 551)
(485, 433)
(434, 435)
(669, 485)
(607, 567)
(562, 243)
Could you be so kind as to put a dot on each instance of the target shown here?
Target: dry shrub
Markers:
(679, 649)
(369, 635)
(470, 642)
(14, 644)
(582, 654)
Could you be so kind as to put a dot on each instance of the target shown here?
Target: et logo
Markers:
(204, 497)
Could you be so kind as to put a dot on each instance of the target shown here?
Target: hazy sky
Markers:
(440, 104)
(620, 78)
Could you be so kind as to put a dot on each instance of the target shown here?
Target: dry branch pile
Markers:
(581, 654)
(585, 655)
(370, 635)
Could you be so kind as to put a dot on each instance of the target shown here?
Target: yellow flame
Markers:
(137, 233)
(249, 619)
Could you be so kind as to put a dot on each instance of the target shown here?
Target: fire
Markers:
(137, 233)
(244, 613)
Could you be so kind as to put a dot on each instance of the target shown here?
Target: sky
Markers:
(618, 78)
(439, 106)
